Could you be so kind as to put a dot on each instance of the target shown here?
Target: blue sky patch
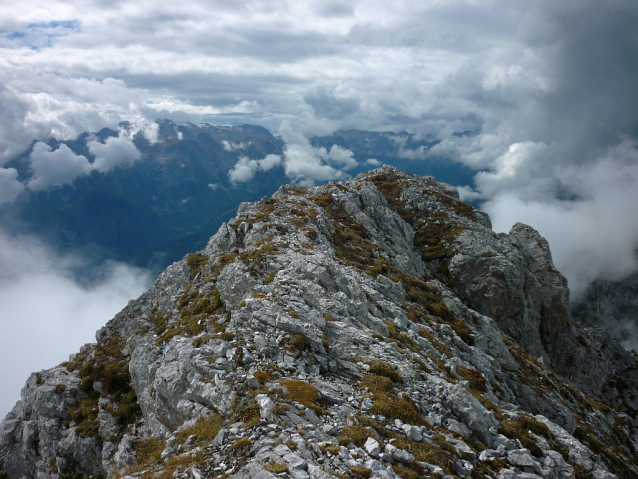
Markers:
(38, 35)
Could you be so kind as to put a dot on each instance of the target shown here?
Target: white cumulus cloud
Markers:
(55, 168)
(305, 164)
(341, 157)
(269, 162)
(114, 152)
(245, 168)
(151, 133)
(231, 146)
(52, 168)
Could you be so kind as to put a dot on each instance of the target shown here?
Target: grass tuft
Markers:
(240, 444)
(304, 393)
(376, 383)
(381, 368)
(360, 472)
(276, 468)
(357, 435)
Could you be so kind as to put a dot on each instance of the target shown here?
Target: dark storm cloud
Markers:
(597, 67)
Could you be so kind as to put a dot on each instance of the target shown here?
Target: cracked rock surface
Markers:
(376, 328)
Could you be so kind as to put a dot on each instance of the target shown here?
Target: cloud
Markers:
(269, 162)
(419, 153)
(37, 35)
(243, 171)
(114, 152)
(328, 100)
(151, 133)
(18, 123)
(230, 146)
(335, 9)
(245, 168)
(516, 169)
(373, 162)
(61, 107)
(55, 168)
(341, 157)
(10, 187)
(468, 194)
(47, 313)
(52, 168)
(305, 164)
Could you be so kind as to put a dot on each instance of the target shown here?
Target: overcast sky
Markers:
(550, 88)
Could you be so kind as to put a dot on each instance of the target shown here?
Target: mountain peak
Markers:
(373, 328)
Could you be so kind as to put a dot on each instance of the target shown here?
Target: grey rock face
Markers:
(512, 279)
(125, 456)
(351, 329)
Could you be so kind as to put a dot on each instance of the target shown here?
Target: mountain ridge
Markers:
(343, 330)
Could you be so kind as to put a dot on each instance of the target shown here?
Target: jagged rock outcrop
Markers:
(376, 328)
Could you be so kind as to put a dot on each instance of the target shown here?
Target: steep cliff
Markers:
(377, 328)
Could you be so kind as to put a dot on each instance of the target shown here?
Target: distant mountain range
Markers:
(171, 200)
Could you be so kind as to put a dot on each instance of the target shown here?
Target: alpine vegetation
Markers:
(376, 328)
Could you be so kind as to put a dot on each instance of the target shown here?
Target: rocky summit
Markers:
(376, 328)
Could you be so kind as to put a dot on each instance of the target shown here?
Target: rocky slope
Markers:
(376, 328)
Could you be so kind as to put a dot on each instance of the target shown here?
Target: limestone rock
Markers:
(372, 447)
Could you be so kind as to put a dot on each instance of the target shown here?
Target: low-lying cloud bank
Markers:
(47, 312)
